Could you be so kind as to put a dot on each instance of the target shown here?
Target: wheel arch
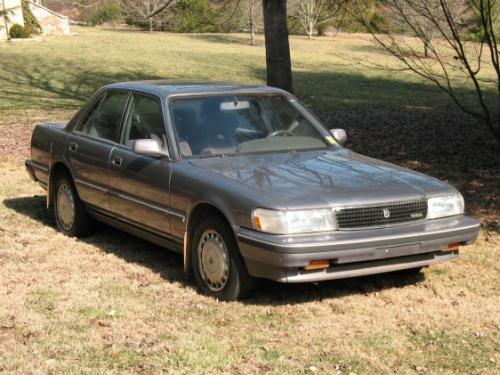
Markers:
(197, 213)
(57, 169)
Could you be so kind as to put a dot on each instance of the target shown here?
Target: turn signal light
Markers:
(257, 223)
(317, 264)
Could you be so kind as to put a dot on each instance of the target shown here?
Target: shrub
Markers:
(18, 31)
(321, 28)
(294, 26)
(30, 22)
(110, 13)
(194, 16)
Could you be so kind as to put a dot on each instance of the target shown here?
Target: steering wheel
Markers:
(280, 132)
(288, 131)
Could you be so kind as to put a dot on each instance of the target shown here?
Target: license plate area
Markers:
(383, 252)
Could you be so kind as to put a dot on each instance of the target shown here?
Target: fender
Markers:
(187, 236)
(50, 186)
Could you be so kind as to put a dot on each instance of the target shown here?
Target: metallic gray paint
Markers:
(295, 252)
(153, 198)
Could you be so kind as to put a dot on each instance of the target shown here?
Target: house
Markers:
(51, 22)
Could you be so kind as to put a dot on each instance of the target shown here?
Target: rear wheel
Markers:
(71, 217)
(218, 268)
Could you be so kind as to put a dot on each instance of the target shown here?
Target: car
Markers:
(244, 182)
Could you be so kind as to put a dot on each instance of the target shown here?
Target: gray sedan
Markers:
(243, 181)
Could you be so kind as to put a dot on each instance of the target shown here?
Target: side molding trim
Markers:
(88, 184)
(166, 211)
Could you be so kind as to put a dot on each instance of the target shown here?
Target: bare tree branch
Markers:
(442, 27)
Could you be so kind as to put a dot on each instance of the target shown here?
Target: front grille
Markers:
(381, 215)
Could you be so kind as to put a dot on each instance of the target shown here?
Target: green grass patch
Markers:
(456, 352)
(52, 78)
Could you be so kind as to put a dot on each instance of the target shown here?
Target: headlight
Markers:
(447, 205)
(289, 222)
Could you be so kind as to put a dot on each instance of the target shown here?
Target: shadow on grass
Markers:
(110, 240)
(223, 39)
(54, 86)
(333, 87)
(169, 265)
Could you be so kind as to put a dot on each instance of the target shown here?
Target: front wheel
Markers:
(71, 217)
(218, 268)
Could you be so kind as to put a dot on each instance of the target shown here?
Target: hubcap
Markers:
(213, 260)
(65, 206)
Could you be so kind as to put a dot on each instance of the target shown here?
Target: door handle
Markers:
(117, 161)
(73, 147)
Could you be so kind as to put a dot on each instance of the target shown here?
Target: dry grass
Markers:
(116, 304)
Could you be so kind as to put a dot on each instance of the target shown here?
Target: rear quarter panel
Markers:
(47, 146)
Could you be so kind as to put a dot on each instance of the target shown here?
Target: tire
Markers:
(69, 212)
(218, 268)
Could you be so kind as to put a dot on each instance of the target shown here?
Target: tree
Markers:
(254, 17)
(400, 20)
(164, 4)
(31, 24)
(279, 68)
(190, 16)
(143, 9)
(310, 13)
(452, 56)
(4, 13)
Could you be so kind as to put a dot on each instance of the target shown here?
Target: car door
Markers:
(139, 185)
(90, 145)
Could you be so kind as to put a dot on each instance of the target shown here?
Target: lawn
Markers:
(115, 304)
(54, 76)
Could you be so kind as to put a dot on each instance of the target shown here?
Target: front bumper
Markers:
(354, 253)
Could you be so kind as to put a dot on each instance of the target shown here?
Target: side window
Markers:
(145, 121)
(85, 123)
(103, 121)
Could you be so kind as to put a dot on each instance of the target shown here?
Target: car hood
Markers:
(319, 178)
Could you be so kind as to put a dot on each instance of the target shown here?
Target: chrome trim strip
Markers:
(88, 184)
(149, 205)
(345, 271)
(448, 232)
(378, 203)
(138, 201)
(180, 216)
(133, 223)
(39, 166)
(166, 211)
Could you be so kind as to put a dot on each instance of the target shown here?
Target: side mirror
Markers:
(340, 135)
(149, 147)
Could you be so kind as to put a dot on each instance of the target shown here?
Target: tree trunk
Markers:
(279, 68)
(5, 19)
(252, 33)
(151, 24)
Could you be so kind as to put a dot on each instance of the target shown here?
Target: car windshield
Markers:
(222, 125)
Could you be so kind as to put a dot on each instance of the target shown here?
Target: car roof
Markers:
(168, 88)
